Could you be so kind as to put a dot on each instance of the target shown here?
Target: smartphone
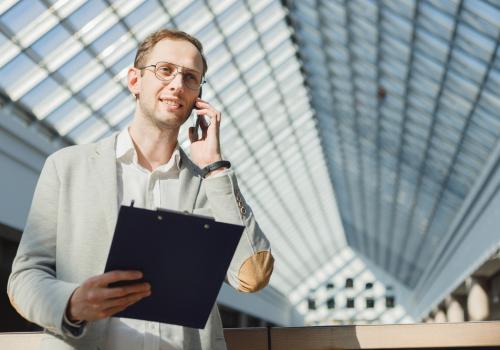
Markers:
(197, 120)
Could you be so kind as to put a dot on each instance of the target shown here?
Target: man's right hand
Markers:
(94, 300)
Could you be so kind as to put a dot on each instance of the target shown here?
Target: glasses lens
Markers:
(165, 71)
(191, 79)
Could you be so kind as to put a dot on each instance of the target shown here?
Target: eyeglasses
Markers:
(167, 71)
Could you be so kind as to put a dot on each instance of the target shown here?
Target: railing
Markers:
(410, 336)
(443, 335)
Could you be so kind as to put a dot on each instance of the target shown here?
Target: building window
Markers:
(389, 302)
(370, 303)
(369, 285)
(330, 286)
(349, 283)
(229, 317)
(330, 303)
(350, 303)
(311, 304)
(253, 321)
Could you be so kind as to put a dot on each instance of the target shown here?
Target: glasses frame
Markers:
(177, 71)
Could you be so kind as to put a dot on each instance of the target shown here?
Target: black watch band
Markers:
(213, 166)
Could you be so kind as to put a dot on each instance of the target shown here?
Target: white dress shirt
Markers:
(150, 190)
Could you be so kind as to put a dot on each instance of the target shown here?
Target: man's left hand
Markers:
(205, 149)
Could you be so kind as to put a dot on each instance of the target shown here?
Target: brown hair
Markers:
(147, 45)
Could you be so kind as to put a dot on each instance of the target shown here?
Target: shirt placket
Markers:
(150, 191)
(152, 335)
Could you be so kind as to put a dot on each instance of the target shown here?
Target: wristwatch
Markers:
(213, 166)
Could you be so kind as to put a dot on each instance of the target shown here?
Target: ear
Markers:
(134, 81)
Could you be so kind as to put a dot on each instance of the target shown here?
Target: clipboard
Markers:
(183, 256)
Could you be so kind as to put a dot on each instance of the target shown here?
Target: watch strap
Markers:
(214, 166)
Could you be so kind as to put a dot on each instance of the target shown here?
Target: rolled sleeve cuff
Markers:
(74, 329)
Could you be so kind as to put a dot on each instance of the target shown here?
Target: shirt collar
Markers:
(125, 152)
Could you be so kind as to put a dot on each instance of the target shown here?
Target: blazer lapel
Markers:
(105, 178)
(189, 183)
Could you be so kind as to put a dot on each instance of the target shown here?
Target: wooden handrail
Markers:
(387, 336)
(429, 335)
(400, 336)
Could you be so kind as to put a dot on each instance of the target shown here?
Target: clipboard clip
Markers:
(132, 203)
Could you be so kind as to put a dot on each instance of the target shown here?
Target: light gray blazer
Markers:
(70, 227)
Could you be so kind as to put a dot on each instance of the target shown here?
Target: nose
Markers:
(176, 83)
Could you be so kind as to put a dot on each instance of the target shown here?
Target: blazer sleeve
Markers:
(252, 264)
(33, 288)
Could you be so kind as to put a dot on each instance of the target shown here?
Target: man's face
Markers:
(167, 104)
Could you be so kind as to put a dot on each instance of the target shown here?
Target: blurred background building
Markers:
(365, 136)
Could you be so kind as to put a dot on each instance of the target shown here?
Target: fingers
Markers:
(111, 311)
(123, 301)
(95, 300)
(118, 292)
(213, 127)
(204, 108)
(114, 276)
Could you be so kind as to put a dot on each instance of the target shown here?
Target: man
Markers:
(57, 278)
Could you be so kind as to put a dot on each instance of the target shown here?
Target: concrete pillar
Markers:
(440, 316)
(454, 310)
(477, 301)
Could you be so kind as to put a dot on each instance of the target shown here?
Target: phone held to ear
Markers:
(200, 121)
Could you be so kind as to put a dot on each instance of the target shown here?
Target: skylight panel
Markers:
(20, 75)
(233, 17)
(68, 116)
(21, 14)
(151, 23)
(232, 91)
(107, 40)
(142, 13)
(124, 7)
(257, 72)
(476, 39)
(242, 38)
(45, 97)
(192, 17)
(40, 25)
(118, 108)
(7, 4)
(9, 50)
(433, 45)
(490, 14)
(101, 94)
(442, 19)
(56, 47)
(89, 130)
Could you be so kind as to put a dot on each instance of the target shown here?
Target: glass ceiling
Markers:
(406, 97)
(391, 104)
(65, 63)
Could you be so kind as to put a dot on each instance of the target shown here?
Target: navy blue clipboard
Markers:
(185, 257)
